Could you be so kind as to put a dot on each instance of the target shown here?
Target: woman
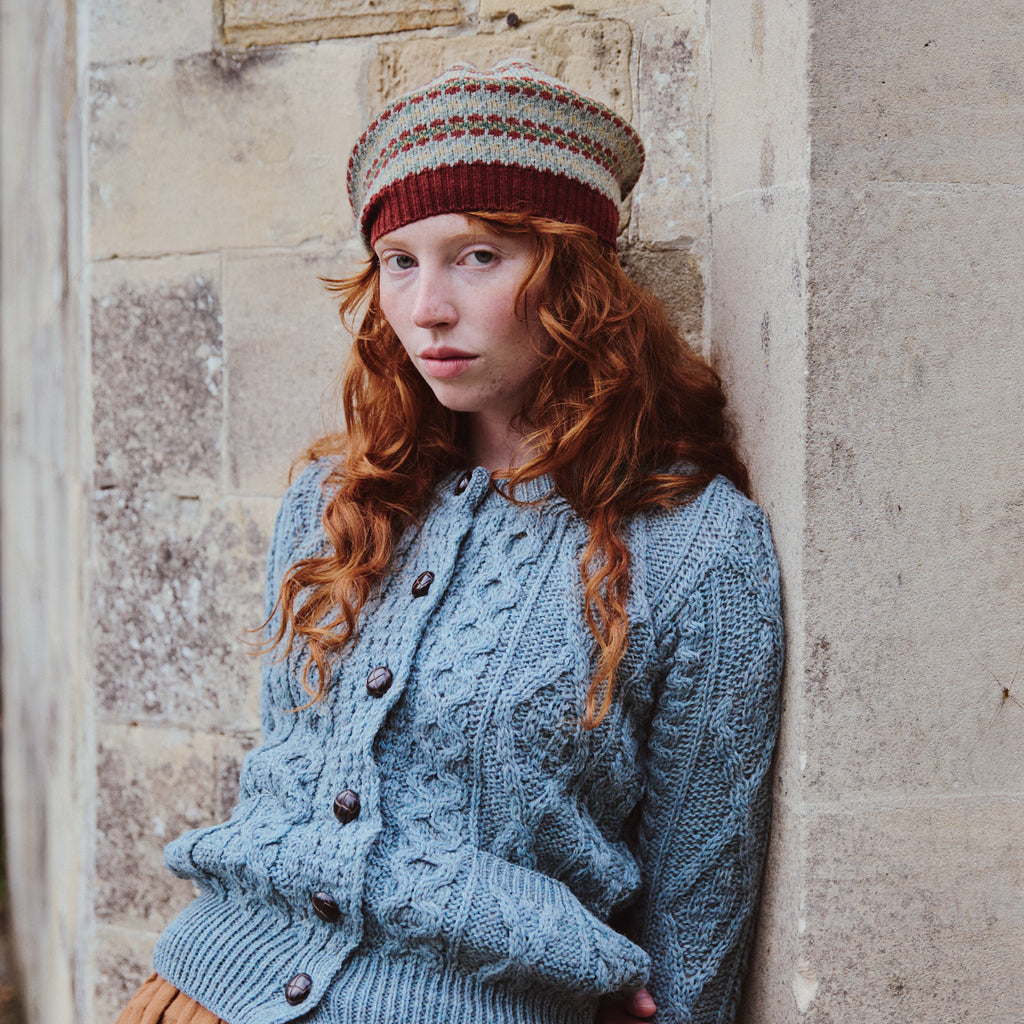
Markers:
(519, 719)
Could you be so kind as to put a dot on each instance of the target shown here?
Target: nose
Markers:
(433, 306)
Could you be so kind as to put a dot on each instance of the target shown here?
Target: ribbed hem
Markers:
(375, 988)
(235, 958)
(463, 188)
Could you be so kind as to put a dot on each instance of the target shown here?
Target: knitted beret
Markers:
(508, 139)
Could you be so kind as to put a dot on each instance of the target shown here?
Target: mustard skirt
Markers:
(159, 1002)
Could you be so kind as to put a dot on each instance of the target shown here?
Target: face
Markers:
(448, 289)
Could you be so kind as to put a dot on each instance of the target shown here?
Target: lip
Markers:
(443, 362)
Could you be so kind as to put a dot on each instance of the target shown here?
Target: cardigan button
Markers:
(378, 682)
(325, 906)
(346, 806)
(298, 989)
(463, 482)
(422, 584)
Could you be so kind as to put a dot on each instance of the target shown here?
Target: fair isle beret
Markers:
(508, 139)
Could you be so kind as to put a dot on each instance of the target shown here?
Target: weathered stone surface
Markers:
(913, 913)
(221, 150)
(591, 56)
(157, 367)
(768, 996)
(126, 30)
(673, 276)
(759, 131)
(46, 751)
(231, 751)
(758, 331)
(286, 347)
(915, 463)
(670, 203)
(177, 582)
(122, 962)
(289, 21)
(501, 8)
(152, 785)
(917, 92)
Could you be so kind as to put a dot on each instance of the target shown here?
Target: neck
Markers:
(494, 443)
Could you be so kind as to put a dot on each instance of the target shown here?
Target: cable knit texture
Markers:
(494, 836)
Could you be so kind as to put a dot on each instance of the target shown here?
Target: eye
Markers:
(398, 261)
(480, 257)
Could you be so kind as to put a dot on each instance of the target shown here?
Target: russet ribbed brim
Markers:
(466, 187)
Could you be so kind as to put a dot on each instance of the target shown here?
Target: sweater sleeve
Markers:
(705, 817)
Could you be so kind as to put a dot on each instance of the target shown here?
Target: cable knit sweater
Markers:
(440, 842)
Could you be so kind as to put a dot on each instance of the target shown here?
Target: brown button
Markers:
(325, 906)
(346, 806)
(463, 482)
(378, 682)
(298, 989)
(422, 584)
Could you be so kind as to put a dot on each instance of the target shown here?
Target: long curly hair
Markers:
(619, 404)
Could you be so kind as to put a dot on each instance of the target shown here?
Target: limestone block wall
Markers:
(866, 261)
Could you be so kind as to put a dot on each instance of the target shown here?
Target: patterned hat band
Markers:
(509, 139)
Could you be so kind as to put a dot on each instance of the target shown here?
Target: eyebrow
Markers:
(395, 238)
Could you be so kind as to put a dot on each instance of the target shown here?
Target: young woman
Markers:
(522, 696)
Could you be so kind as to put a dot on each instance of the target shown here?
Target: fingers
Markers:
(633, 1009)
(640, 1004)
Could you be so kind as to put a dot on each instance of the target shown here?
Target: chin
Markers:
(459, 403)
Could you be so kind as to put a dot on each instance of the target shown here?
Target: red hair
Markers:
(617, 403)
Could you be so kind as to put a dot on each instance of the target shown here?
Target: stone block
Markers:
(768, 996)
(591, 56)
(177, 582)
(674, 277)
(248, 22)
(915, 547)
(917, 92)
(223, 150)
(912, 913)
(669, 204)
(122, 960)
(231, 751)
(758, 329)
(501, 8)
(157, 370)
(130, 30)
(759, 137)
(286, 348)
(152, 785)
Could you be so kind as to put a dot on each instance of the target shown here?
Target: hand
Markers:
(626, 1009)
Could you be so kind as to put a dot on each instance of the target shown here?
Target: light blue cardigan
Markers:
(440, 842)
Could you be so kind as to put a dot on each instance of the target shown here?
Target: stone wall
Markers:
(864, 294)
(831, 207)
(48, 752)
